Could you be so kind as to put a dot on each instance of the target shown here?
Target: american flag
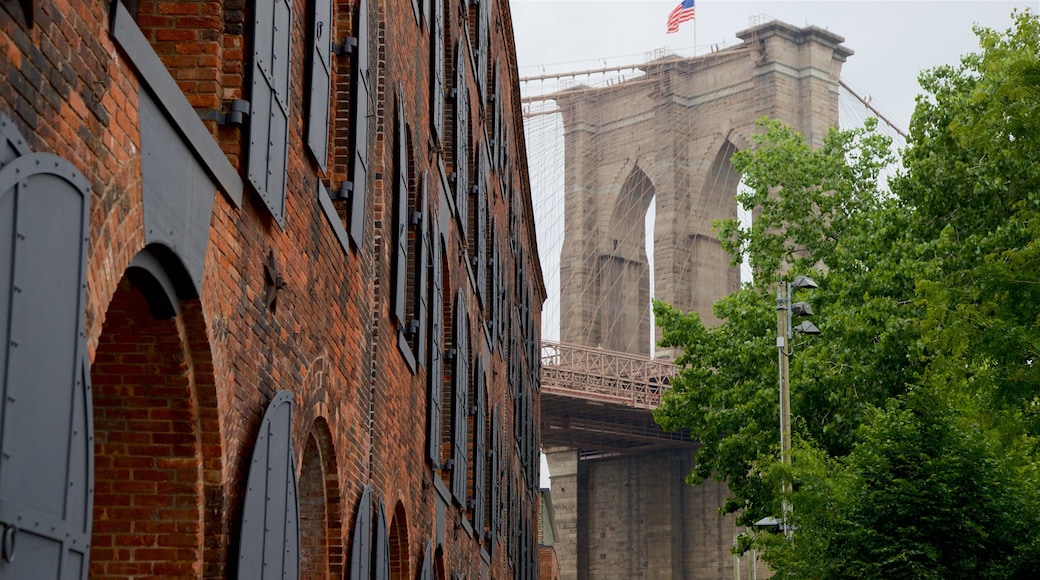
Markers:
(682, 13)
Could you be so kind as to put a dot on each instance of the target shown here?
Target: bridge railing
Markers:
(604, 375)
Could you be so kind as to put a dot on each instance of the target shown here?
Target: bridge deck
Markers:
(601, 401)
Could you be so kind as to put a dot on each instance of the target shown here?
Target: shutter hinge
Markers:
(346, 48)
(416, 218)
(449, 464)
(450, 355)
(413, 326)
(237, 111)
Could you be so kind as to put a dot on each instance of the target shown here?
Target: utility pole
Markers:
(784, 333)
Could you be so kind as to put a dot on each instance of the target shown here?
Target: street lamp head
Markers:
(804, 282)
(807, 327)
(801, 309)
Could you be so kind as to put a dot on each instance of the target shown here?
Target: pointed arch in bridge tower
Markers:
(694, 271)
(625, 270)
(678, 125)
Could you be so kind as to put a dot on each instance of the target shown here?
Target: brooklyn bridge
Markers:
(638, 158)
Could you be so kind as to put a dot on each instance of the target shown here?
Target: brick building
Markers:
(291, 252)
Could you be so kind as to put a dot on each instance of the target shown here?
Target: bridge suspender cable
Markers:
(867, 104)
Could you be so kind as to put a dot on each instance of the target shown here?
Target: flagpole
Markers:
(694, 36)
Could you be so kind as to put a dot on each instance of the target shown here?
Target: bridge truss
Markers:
(600, 401)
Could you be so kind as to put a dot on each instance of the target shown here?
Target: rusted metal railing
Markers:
(603, 375)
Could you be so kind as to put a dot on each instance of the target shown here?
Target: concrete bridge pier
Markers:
(633, 517)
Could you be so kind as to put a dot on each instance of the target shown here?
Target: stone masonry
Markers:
(666, 137)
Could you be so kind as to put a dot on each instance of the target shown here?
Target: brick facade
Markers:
(233, 257)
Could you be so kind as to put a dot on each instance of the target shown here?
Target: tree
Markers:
(917, 414)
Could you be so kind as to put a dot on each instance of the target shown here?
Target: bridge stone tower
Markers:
(665, 137)
(669, 135)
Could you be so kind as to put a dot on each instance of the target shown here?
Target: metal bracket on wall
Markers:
(237, 111)
(273, 282)
(346, 48)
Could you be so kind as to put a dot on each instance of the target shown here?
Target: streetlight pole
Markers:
(783, 313)
(784, 334)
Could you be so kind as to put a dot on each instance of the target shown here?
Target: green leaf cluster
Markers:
(917, 413)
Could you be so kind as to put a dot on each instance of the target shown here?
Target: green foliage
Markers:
(916, 414)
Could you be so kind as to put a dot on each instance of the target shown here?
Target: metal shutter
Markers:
(321, 82)
(361, 542)
(480, 227)
(269, 546)
(483, 29)
(427, 566)
(494, 481)
(400, 218)
(461, 161)
(381, 547)
(435, 375)
(460, 390)
(423, 242)
(480, 446)
(437, 58)
(46, 423)
(362, 89)
(269, 119)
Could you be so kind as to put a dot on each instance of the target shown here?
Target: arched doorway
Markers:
(156, 437)
(321, 534)
(398, 539)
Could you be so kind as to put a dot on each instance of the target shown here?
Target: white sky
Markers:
(893, 40)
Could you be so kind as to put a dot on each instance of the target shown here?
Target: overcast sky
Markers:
(893, 40)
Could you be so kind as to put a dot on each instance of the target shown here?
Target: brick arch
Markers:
(321, 526)
(314, 541)
(439, 566)
(398, 539)
(157, 496)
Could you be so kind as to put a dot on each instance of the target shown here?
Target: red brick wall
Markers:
(147, 512)
(178, 402)
(548, 565)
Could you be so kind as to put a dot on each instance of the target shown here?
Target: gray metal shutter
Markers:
(427, 566)
(480, 227)
(268, 124)
(461, 139)
(496, 120)
(435, 376)
(495, 499)
(269, 546)
(460, 390)
(437, 57)
(321, 82)
(480, 446)
(492, 285)
(362, 88)
(498, 293)
(422, 256)
(361, 548)
(46, 423)
(381, 547)
(483, 26)
(400, 218)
